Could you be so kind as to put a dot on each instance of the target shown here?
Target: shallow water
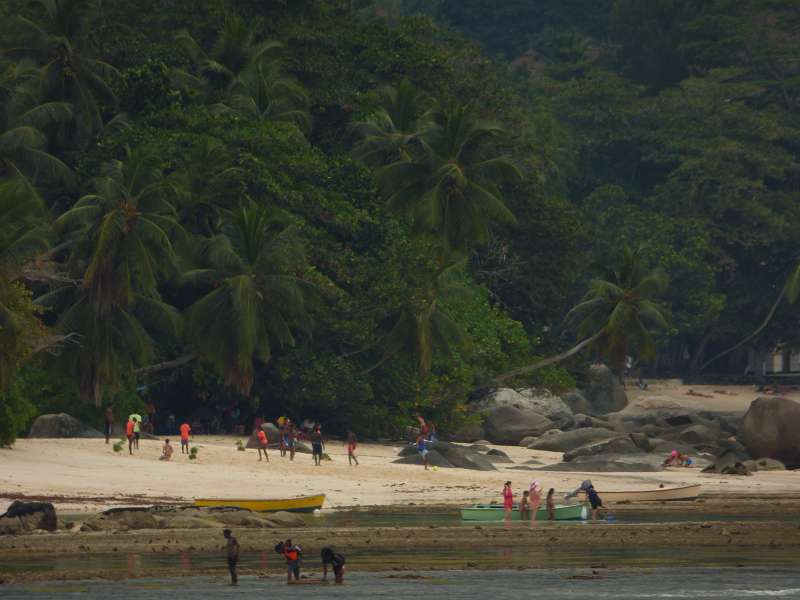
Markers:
(690, 583)
(134, 565)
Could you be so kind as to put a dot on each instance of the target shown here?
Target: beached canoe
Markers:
(686, 492)
(302, 504)
(495, 512)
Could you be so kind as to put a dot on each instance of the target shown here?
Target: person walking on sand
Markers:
(262, 444)
(317, 445)
(352, 442)
(232, 546)
(336, 560)
(109, 419)
(508, 500)
(186, 429)
(137, 429)
(129, 433)
(288, 438)
(423, 451)
(292, 554)
(166, 451)
(282, 435)
(535, 494)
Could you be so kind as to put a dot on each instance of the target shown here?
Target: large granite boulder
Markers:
(461, 457)
(661, 412)
(764, 464)
(699, 436)
(123, 519)
(27, 516)
(617, 445)
(549, 405)
(577, 402)
(496, 455)
(61, 425)
(471, 432)
(564, 441)
(509, 424)
(771, 429)
(608, 463)
(434, 459)
(604, 392)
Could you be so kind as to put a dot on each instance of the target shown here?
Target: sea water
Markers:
(698, 583)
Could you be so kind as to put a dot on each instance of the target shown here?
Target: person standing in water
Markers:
(352, 442)
(317, 445)
(292, 554)
(551, 505)
(525, 506)
(109, 419)
(262, 444)
(336, 560)
(232, 547)
(535, 494)
(508, 500)
(591, 495)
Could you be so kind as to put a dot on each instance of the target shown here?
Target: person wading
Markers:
(232, 547)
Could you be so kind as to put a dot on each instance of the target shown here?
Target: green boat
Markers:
(495, 512)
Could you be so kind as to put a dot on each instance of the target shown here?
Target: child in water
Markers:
(525, 506)
(536, 499)
(508, 499)
(551, 505)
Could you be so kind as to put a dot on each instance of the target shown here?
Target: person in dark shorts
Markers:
(262, 444)
(130, 434)
(317, 445)
(109, 418)
(289, 435)
(591, 495)
(232, 547)
(336, 560)
(292, 555)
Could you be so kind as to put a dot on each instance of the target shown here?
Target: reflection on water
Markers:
(690, 583)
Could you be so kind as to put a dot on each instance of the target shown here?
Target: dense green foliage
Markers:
(345, 211)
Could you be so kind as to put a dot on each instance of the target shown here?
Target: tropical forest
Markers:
(356, 211)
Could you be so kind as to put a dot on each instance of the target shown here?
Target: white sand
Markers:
(78, 469)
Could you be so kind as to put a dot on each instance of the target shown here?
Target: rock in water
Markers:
(27, 516)
(61, 425)
(508, 425)
(604, 393)
(771, 429)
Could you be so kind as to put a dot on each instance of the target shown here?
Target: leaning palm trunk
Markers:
(550, 361)
(758, 330)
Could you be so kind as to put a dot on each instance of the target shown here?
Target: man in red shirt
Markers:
(185, 431)
(129, 426)
(262, 444)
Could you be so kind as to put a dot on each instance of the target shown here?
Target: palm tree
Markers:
(59, 43)
(452, 187)
(254, 297)
(207, 183)
(122, 251)
(422, 326)
(22, 235)
(789, 292)
(234, 50)
(391, 132)
(23, 118)
(616, 315)
(264, 93)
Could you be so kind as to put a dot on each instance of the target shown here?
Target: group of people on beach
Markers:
(292, 554)
(531, 500)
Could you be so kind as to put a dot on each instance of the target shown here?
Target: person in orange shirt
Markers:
(262, 444)
(129, 426)
(185, 431)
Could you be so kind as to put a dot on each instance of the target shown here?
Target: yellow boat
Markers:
(302, 504)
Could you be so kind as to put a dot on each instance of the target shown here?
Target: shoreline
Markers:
(405, 548)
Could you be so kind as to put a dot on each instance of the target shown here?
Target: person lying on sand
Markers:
(725, 393)
(166, 451)
(698, 394)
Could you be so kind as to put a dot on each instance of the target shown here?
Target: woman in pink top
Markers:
(535, 494)
(508, 499)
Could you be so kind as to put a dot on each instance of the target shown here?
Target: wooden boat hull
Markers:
(304, 504)
(687, 492)
(495, 512)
